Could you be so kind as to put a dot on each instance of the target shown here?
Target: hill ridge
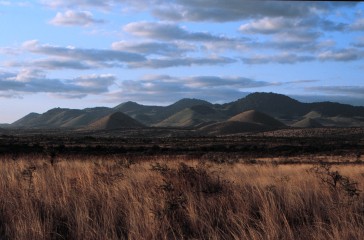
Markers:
(281, 107)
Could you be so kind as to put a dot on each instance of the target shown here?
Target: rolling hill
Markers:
(113, 121)
(27, 121)
(254, 116)
(307, 123)
(231, 127)
(286, 108)
(151, 115)
(62, 118)
(88, 116)
(192, 117)
(248, 121)
(195, 113)
(276, 105)
(313, 115)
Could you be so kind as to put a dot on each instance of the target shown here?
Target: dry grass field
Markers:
(177, 197)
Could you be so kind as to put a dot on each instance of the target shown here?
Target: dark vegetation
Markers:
(345, 143)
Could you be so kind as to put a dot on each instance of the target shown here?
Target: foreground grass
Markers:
(167, 198)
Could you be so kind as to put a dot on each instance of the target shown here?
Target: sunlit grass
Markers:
(174, 198)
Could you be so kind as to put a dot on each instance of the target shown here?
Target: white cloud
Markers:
(158, 48)
(300, 34)
(233, 10)
(358, 25)
(284, 58)
(180, 62)
(25, 75)
(77, 3)
(169, 31)
(341, 90)
(61, 63)
(267, 25)
(95, 80)
(30, 44)
(75, 58)
(207, 10)
(35, 81)
(290, 26)
(232, 82)
(298, 37)
(96, 56)
(342, 55)
(359, 42)
(73, 18)
(153, 88)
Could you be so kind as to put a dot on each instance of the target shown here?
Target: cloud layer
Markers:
(184, 48)
(149, 87)
(35, 81)
(170, 88)
(167, 31)
(73, 18)
(357, 91)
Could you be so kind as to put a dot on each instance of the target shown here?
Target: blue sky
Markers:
(85, 53)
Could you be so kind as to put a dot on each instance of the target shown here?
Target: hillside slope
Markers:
(115, 120)
(254, 116)
(307, 123)
(248, 121)
(191, 117)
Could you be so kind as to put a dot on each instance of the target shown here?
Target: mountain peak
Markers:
(26, 120)
(130, 103)
(188, 102)
(269, 103)
(56, 110)
(128, 106)
(193, 101)
(263, 96)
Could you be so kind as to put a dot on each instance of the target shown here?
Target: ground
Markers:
(301, 184)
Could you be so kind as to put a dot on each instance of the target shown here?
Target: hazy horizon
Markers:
(86, 53)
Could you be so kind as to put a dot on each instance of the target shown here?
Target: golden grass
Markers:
(107, 198)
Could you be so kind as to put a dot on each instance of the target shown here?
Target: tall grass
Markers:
(165, 198)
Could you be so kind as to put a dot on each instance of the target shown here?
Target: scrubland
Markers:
(176, 197)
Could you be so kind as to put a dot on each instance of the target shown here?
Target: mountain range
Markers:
(255, 112)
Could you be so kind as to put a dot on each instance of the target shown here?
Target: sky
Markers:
(87, 53)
